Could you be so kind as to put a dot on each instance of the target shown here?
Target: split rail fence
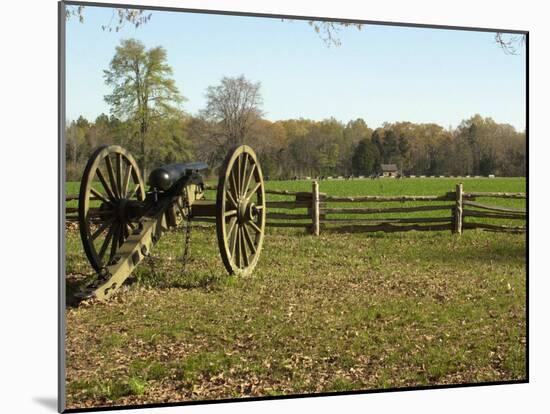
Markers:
(324, 211)
(461, 207)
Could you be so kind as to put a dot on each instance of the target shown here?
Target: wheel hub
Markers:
(120, 209)
(126, 209)
(246, 211)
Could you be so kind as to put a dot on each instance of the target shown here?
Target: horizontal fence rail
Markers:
(315, 215)
(474, 213)
(391, 228)
(446, 197)
(493, 208)
(389, 220)
(496, 195)
(366, 210)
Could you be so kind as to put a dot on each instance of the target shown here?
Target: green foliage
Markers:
(143, 92)
(136, 386)
(141, 82)
(491, 147)
(366, 158)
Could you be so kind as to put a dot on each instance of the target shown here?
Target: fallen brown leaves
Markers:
(336, 313)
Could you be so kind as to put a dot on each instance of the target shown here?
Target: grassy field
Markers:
(343, 311)
(405, 186)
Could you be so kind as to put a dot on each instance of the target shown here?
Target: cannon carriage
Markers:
(121, 220)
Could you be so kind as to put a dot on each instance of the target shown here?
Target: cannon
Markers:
(121, 220)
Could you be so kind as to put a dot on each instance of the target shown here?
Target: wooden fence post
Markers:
(315, 208)
(458, 209)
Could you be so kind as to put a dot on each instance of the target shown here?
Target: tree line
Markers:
(147, 118)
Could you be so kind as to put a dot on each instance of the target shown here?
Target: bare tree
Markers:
(119, 17)
(510, 43)
(329, 31)
(234, 106)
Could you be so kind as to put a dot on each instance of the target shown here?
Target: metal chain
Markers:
(187, 242)
(187, 239)
(152, 261)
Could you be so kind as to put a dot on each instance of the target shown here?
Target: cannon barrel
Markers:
(163, 178)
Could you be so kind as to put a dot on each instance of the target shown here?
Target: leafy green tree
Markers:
(143, 91)
(366, 158)
(269, 140)
(355, 131)
(171, 138)
(298, 147)
(391, 146)
(76, 142)
(377, 140)
(324, 141)
(403, 145)
(298, 156)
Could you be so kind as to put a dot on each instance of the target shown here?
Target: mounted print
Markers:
(263, 206)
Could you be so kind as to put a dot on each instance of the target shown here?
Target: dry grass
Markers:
(333, 313)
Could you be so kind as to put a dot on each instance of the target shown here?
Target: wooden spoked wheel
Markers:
(240, 211)
(111, 179)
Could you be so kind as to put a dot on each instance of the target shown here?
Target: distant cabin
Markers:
(389, 170)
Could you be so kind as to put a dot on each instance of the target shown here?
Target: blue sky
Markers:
(380, 73)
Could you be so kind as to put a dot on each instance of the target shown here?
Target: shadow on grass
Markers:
(75, 283)
(193, 273)
(448, 248)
